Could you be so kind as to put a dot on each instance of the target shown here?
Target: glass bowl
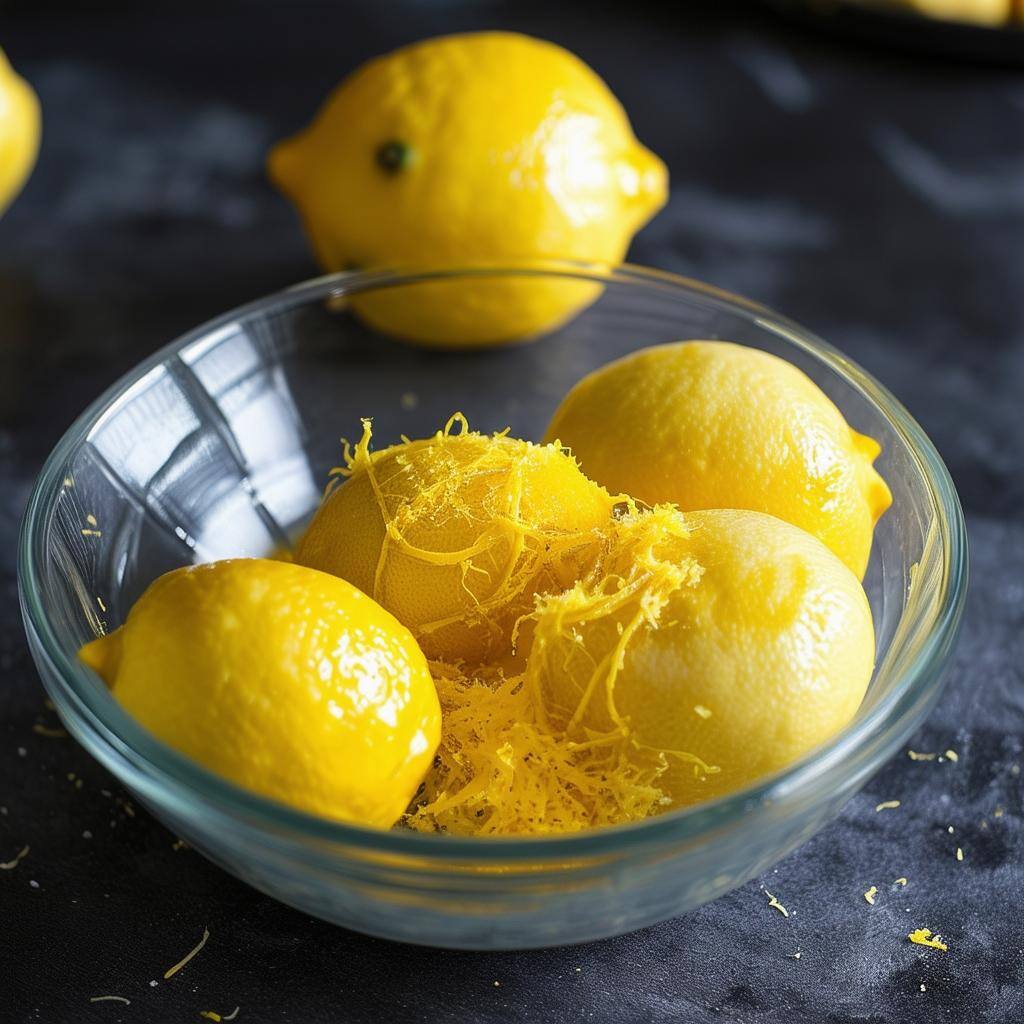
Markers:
(219, 445)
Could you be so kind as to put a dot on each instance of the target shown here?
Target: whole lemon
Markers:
(19, 131)
(286, 681)
(729, 639)
(455, 534)
(711, 424)
(472, 148)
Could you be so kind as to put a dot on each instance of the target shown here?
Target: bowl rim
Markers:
(141, 760)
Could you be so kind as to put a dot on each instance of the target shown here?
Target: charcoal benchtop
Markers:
(875, 197)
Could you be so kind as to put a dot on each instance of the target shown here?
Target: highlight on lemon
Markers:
(419, 159)
(712, 424)
(456, 534)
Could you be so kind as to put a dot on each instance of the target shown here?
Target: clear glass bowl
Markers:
(219, 444)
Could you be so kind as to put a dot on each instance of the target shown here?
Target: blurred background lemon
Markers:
(471, 149)
(19, 131)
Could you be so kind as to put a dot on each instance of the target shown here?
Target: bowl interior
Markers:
(220, 445)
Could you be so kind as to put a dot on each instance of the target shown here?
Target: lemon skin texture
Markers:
(19, 131)
(455, 534)
(286, 681)
(711, 424)
(467, 149)
(758, 650)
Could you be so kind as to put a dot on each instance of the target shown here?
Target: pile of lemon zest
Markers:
(775, 904)
(951, 755)
(916, 756)
(900, 881)
(959, 853)
(10, 865)
(925, 937)
(499, 772)
(887, 805)
(105, 999)
(53, 734)
(171, 971)
(871, 894)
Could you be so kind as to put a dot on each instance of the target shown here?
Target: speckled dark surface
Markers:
(876, 198)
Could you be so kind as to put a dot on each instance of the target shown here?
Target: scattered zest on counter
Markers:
(171, 971)
(900, 881)
(887, 805)
(871, 894)
(925, 937)
(917, 756)
(775, 904)
(10, 865)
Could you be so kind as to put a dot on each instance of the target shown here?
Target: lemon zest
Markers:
(498, 771)
(915, 755)
(901, 882)
(871, 894)
(925, 937)
(887, 805)
(774, 903)
(171, 971)
(10, 865)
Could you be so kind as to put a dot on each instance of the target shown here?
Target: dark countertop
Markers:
(877, 198)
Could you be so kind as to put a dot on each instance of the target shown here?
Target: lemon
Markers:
(727, 638)
(286, 681)
(455, 533)
(981, 12)
(19, 131)
(711, 424)
(483, 147)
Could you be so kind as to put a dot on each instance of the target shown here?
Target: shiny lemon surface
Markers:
(463, 149)
(286, 681)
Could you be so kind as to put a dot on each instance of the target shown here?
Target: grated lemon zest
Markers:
(917, 756)
(925, 937)
(10, 865)
(171, 971)
(53, 734)
(871, 894)
(959, 854)
(775, 904)
(211, 1015)
(887, 805)
(951, 755)
(900, 881)
(499, 772)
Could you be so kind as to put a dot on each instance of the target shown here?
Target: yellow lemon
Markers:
(286, 681)
(981, 12)
(710, 424)
(730, 640)
(19, 131)
(456, 533)
(472, 148)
